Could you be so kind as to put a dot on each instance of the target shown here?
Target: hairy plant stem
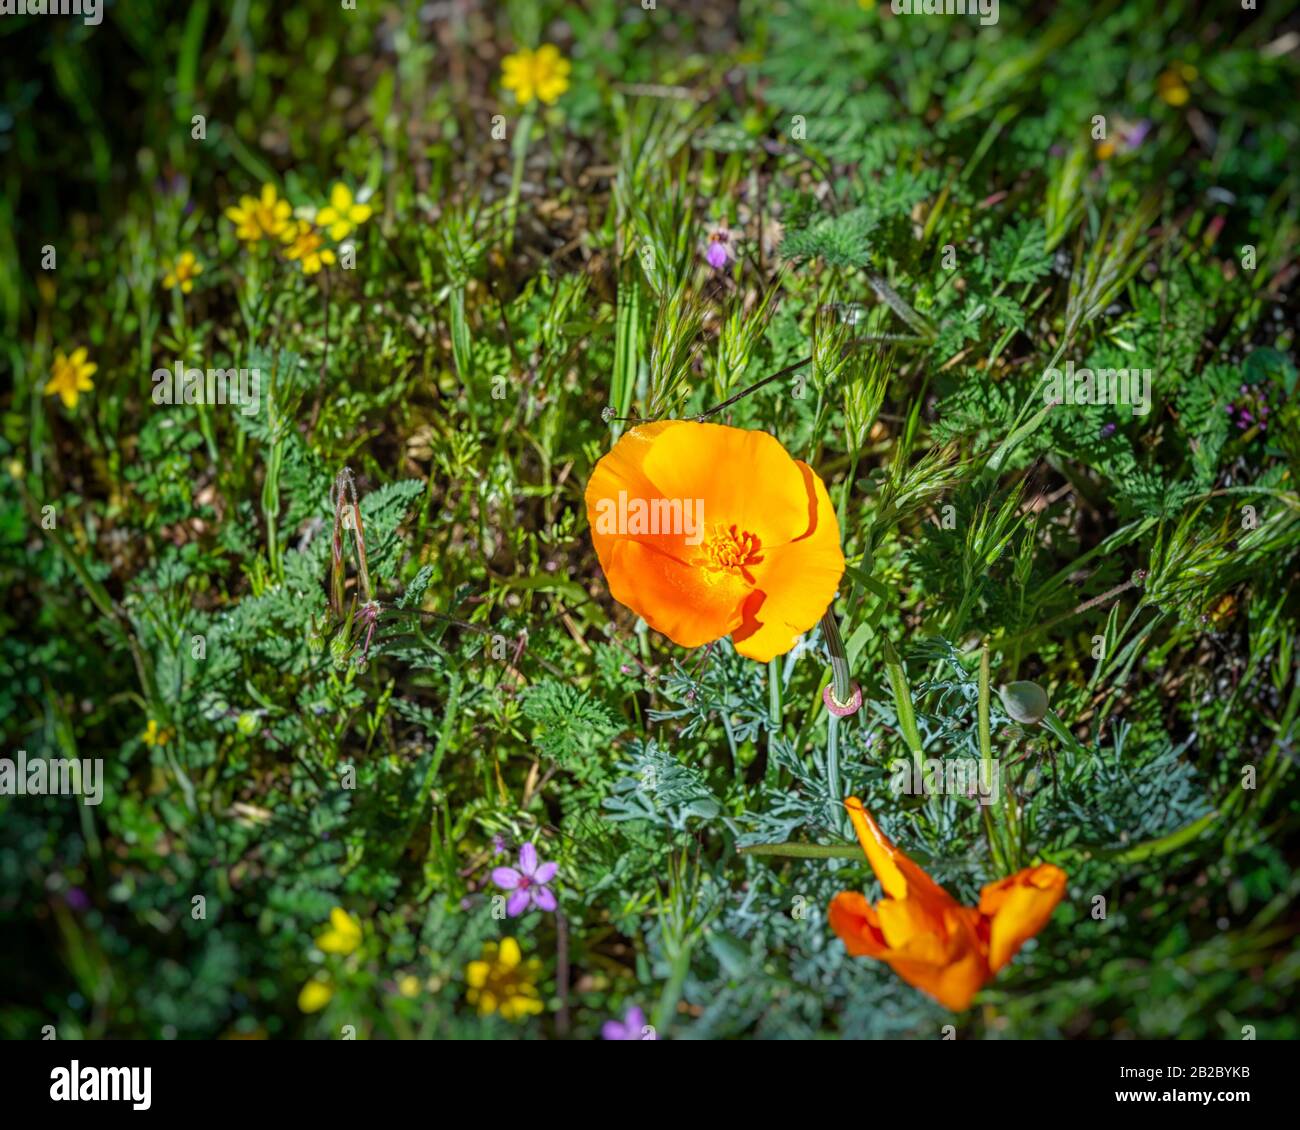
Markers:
(842, 693)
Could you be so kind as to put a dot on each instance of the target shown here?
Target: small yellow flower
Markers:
(343, 934)
(183, 272)
(543, 74)
(503, 982)
(70, 376)
(409, 986)
(1172, 85)
(1223, 610)
(1105, 150)
(155, 735)
(307, 245)
(257, 219)
(315, 995)
(342, 214)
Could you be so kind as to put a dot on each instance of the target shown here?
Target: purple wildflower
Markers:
(1108, 429)
(76, 898)
(1251, 408)
(632, 1027)
(1136, 135)
(717, 254)
(528, 883)
(499, 845)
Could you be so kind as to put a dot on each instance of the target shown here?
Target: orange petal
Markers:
(653, 573)
(899, 876)
(690, 606)
(622, 471)
(796, 582)
(907, 925)
(958, 975)
(1017, 907)
(745, 478)
(855, 923)
(947, 962)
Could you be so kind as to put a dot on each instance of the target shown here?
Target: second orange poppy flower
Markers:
(930, 940)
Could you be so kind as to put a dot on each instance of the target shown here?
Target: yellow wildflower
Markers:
(183, 272)
(307, 245)
(342, 214)
(1172, 84)
(255, 220)
(315, 995)
(70, 376)
(1105, 150)
(343, 934)
(1223, 610)
(155, 735)
(543, 74)
(503, 982)
(409, 986)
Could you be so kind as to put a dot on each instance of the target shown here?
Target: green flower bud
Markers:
(340, 646)
(1025, 702)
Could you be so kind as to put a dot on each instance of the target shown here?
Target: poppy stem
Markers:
(842, 696)
(774, 693)
(842, 686)
(833, 762)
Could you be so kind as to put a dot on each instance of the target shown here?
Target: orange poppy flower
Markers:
(935, 944)
(706, 531)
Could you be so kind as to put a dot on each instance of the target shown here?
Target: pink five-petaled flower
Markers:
(528, 883)
(718, 253)
(631, 1027)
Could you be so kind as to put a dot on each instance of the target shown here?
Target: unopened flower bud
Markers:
(1025, 702)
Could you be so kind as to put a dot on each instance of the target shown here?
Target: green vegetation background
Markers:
(933, 190)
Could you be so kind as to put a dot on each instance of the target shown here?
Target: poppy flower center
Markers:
(732, 549)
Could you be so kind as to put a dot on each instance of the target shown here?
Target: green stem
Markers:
(903, 703)
(1164, 844)
(833, 761)
(520, 149)
(672, 992)
(271, 506)
(842, 693)
(774, 693)
(986, 758)
(805, 851)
